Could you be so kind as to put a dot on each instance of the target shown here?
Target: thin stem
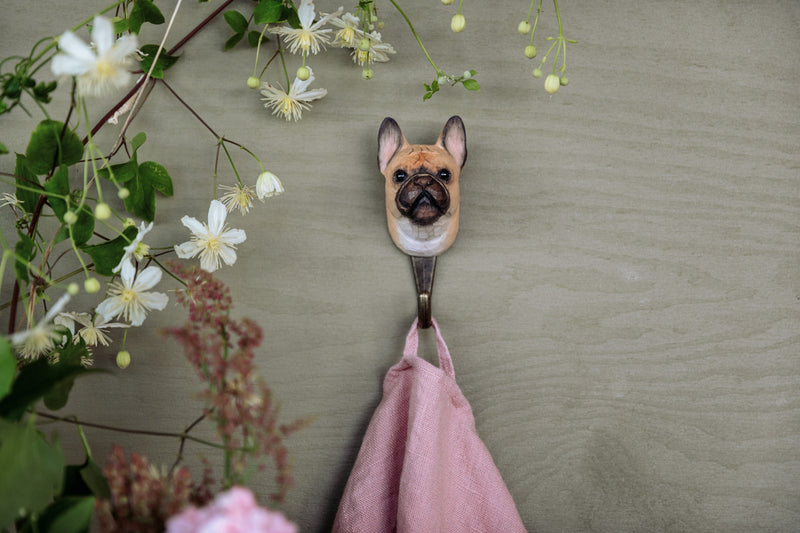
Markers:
(414, 33)
(183, 435)
(191, 110)
(183, 441)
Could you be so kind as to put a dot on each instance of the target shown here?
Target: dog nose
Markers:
(423, 180)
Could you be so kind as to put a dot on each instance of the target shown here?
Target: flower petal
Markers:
(228, 254)
(306, 13)
(154, 300)
(70, 44)
(111, 307)
(233, 236)
(216, 217)
(102, 35)
(188, 249)
(128, 273)
(124, 47)
(147, 279)
(194, 225)
(63, 65)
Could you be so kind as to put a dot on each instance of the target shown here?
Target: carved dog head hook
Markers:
(422, 193)
(422, 198)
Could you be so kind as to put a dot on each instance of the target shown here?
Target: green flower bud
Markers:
(70, 218)
(123, 193)
(563, 80)
(303, 73)
(367, 73)
(530, 51)
(253, 82)
(537, 73)
(123, 359)
(102, 211)
(457, 23)
(551, 83)
(364, 44)
(73, 289)
(524, 27)
(91, 285)
(447, 2)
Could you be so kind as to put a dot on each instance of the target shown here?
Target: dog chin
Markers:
(424, 240)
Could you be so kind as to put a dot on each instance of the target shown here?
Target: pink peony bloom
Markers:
(234, 511)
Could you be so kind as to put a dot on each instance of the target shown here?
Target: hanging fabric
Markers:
(422, 468)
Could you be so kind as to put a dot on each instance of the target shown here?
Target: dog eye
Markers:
(444, 175)
(399, 176)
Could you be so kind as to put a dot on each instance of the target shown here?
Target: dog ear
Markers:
(454, 140)
(390, 139)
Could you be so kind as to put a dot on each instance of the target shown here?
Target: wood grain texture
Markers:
(622, 302)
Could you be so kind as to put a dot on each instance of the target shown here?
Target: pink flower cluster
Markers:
(234, 511)
(222, 350)
(142, 496)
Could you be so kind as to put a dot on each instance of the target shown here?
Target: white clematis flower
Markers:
(268, 185)
(213, 241)
(136, 249)
(237, 197)
(378, 51)
(129, 298)
(92, 330)
(349, 31)
(309, 37)
(41, 338)
(291, 105)
(98, 69)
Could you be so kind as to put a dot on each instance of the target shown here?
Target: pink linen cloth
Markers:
(422, 468)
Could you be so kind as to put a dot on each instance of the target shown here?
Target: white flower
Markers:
(92, 330)
(291, 105)
(377, 53)
(268, 185)
(9, 199)
(98, 69)
(349, 33)
(239, 196)
(129, 298)
(136, 249)
(213, 241)
(41, 338)
(309, 37)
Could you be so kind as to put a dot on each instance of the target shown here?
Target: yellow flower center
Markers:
(128, 296)
(141, 250)
(104, 68)
(346, 35)
(286, 105)
(305, 39)
(362, 56)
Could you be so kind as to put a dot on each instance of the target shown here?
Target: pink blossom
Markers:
(234, 511)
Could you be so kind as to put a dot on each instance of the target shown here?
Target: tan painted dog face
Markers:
(422, 193)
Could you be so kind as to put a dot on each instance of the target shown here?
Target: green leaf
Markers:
(32, 468)
(290, 15)
(138, 140)
(164, 60)
(157, 176)
(51, 145)
(268, 12)
(56, 186)
(26, 178)
(25, 251)
(107, 255)
(253, 37)
(122, 172)
(42, 91)
(83, 229)
(120, 25)
(235, 20)
(471, 85)
(71, 514)
(39, 377)
(8, 367)
(3, 149)
(93, 476)
(144, 11)
(233, 40)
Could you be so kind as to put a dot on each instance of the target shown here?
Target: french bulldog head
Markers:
(422, 193)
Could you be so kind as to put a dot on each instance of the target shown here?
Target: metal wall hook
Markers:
(424, 270)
